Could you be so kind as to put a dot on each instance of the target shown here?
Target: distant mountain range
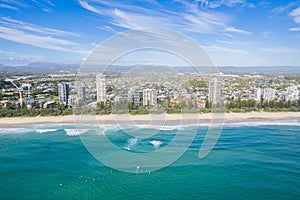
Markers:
(248, 70)
(264, 70)
(42, 68)
(46, 68)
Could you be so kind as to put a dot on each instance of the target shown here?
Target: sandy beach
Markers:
(168, 118)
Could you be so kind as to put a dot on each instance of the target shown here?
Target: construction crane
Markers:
(20, 89)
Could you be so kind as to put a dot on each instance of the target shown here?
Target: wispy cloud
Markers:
(87, 6)
(279, 50)
(288, 10)
(295, 14)
(294, 29)
(222, 49)
(191, 18)
(34, 40)
(8, 6)
(228, 3)
(283, 9)
(108, 29)
(236, 43)
(47, 38)
(20, 25)
(45, 5)
(2, 52)
(12, 4)
(50, 3)
(264, 4)
(235, 30)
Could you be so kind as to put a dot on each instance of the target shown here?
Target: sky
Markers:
(232, 32)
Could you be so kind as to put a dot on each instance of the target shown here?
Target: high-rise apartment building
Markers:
(258, 92)
(80, 92)
(149, 97)
(134, 96)
(292, 93)
(64, 93)
(268, 94)
(101, 88)
(215, 91)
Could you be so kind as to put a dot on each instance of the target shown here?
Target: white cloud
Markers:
(87, 6)
(222, 49)
(108, 29)
(12, 4)
(228, 3)
(46, 42)
(191, 19)
(45, 5)
(279, 50)
(228, 35)
(20, 25)
(2, 52)
(8, 6)
(47, 38)
(296, 15)
(235, 30)
(289, 10)
(236, 43)
(50, 3)
(282, 9)
(295, 29)
(286, 10)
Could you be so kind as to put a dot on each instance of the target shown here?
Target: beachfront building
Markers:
(292, 93)
(101, 88)
(268, 94)
(215, 91)
(149, 97)
(80, 93)
(134, 96)
(258, 94)
(64, 93)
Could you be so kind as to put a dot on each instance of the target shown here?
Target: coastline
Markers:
(168, 118)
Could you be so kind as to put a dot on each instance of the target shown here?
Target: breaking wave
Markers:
(75, 132)
(45, 130)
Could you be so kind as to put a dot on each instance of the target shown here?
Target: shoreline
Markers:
(168, 119)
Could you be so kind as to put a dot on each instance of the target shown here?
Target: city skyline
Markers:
(180, 93)
(232, 32)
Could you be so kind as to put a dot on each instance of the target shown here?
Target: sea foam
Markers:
(156, 143)
(14, 130)
(75, 132)
(45, 130)
(265, 123)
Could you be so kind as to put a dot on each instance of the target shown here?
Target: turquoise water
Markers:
(249, 162)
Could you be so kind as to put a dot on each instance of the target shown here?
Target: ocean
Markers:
(250, 161)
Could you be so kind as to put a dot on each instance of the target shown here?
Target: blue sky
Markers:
(232, 32)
